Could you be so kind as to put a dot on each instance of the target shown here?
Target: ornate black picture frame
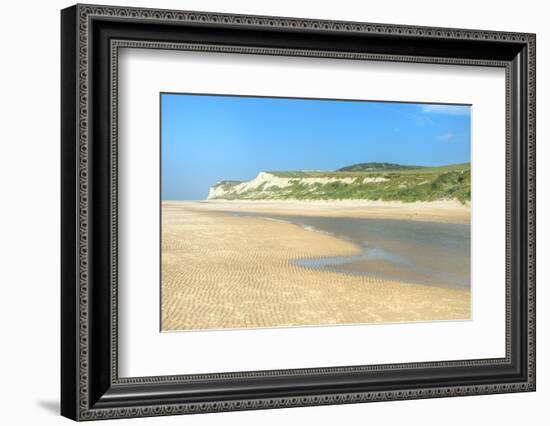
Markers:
(91, 36)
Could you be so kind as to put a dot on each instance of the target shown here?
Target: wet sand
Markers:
(222, 270)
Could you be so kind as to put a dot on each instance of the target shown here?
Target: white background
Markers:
(146, 352)
(29, 225)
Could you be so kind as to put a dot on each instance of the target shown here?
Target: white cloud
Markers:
(447, 136)
(446, 109)
(422, 120)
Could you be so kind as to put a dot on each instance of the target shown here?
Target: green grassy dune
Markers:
(366, 181)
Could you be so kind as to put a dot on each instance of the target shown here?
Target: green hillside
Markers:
(377, 167)
(368, 181)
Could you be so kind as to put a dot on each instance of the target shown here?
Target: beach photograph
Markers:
(295, 212)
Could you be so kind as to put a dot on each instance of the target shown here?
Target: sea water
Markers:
(417, 252)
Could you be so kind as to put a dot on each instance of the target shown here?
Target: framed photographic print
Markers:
(263, 212)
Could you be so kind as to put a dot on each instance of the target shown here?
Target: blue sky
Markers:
(207, 138)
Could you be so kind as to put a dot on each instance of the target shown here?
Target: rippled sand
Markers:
(224, 271)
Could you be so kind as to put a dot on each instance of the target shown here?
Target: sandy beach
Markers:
(221, 270)
(438, 211)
